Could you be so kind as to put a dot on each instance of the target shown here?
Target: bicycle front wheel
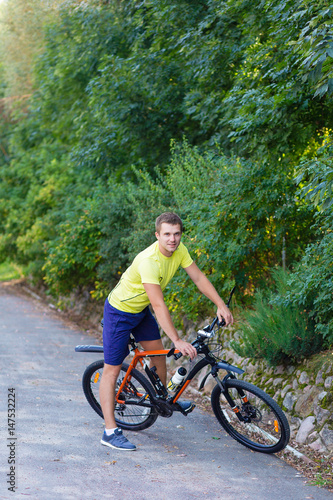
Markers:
(256, 421)
(135, 413)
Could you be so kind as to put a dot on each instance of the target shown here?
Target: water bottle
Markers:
(177, 379)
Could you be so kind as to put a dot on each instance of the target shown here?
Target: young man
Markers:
(127, 311)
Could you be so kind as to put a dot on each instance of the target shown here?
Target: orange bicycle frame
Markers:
(139, 358)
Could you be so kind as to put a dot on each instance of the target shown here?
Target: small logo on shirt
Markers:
(160, 279)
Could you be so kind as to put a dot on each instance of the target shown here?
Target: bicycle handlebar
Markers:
(220, 324)
(207, 329)
(198, 340)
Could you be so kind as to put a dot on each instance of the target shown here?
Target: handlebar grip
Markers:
(221, 323)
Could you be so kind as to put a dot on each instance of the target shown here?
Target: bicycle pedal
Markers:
(191, 408)
(184, 407)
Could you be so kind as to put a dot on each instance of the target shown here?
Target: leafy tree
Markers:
(312, 282)
(272, 112)
(315, 47)
(315, 175)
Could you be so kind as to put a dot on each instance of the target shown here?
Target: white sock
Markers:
(108, 432)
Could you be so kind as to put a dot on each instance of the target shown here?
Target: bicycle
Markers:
(246, 413)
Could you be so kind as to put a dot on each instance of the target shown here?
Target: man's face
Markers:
(168, 238)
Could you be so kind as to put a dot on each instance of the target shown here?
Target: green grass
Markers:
(9, 271)
(323, 480)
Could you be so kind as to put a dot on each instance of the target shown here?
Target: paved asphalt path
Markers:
(57, 454)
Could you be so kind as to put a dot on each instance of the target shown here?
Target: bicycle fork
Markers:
(234, 407)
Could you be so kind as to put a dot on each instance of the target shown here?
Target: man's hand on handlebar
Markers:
(224, 313)
(185, 348)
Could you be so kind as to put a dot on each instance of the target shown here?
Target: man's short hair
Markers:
(168, 218)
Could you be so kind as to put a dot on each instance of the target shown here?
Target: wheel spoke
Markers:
(129, 412)
(132, 410)
(261, 425)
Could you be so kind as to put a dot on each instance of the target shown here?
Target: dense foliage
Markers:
(210, 108)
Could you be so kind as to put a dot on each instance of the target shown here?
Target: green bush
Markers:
(277, 332)
(311, 284)
(72, 256)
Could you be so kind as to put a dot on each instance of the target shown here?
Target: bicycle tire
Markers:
(130, 417)
(267, 430)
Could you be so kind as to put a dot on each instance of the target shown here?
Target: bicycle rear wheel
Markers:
(135, 413)
(265, 427)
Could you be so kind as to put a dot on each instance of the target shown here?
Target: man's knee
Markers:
(111, 372)
(152, 345)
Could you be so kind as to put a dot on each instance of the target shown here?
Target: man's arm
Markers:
(205, 287)
(155, 296)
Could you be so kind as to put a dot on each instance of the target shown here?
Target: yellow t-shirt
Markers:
(149, 266)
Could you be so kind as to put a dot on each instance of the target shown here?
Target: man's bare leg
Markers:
(107, 390)
(112, 436)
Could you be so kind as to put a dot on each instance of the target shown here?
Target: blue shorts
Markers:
(118, 326)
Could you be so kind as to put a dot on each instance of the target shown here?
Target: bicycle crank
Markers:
(163, 408)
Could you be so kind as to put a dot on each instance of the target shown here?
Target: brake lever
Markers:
(172, 353)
